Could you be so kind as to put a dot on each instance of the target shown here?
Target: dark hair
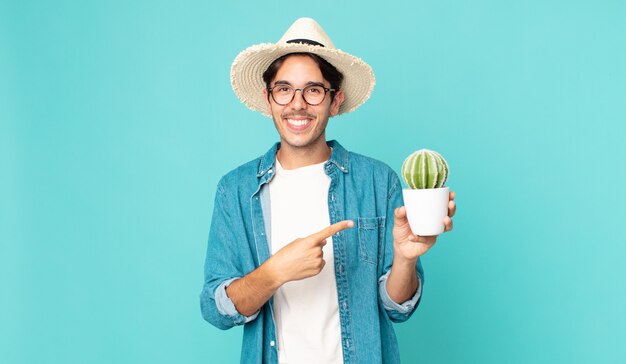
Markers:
(329, 72)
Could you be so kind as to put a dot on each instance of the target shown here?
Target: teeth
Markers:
(297, 122)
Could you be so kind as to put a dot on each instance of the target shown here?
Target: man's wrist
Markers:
(401, 261)
(403, 281)
(272, 276)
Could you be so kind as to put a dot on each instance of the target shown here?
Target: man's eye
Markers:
(284, 89)
(314, 90)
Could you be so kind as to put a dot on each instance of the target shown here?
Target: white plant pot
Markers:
(426, 210)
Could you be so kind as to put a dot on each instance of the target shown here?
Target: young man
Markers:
(309, 247)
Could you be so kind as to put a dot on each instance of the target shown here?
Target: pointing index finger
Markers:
(333, 229)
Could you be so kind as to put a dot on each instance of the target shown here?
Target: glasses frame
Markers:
(326, 90)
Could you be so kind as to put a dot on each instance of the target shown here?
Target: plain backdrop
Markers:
(117, 119)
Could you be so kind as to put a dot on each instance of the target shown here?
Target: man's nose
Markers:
(298, 102)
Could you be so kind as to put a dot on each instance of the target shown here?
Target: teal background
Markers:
(117, 120)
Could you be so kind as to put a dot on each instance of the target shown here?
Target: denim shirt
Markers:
(363, 190)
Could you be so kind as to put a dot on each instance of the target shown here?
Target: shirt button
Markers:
(344, 305)
(272, 343)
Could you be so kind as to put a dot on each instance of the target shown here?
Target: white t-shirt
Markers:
(306, 311)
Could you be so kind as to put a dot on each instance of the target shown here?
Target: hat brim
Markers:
(247, 70)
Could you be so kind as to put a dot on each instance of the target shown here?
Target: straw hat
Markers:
(304, 35)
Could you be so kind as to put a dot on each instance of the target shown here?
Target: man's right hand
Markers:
(304, 257)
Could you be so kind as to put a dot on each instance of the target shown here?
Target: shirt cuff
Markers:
(391, 305)
(226, 307)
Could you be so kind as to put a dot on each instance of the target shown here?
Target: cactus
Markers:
(425, 169)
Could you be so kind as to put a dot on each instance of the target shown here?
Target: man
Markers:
(309, 246)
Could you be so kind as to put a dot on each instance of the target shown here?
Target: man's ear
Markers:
(337, 101)
(267, 101)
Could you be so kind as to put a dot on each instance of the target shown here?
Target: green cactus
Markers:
(425, 169)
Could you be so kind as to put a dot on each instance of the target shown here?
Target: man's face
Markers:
(298, 123)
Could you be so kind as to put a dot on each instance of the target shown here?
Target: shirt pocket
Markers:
(371, 232)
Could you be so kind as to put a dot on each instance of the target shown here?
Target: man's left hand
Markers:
(409, 246)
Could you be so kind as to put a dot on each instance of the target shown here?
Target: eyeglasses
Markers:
(312, 94)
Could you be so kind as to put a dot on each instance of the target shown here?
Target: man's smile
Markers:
(298, 122)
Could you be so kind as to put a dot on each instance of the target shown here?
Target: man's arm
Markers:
(402, 283)
(302, 258)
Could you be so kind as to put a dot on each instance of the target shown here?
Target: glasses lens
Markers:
(313, 94)
(282, 94)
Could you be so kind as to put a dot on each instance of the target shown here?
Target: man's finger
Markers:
(451, 208)
(399, 216)
(332, 230)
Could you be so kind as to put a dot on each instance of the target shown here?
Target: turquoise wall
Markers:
(117, 120)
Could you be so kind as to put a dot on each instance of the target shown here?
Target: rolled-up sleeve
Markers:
(398, 311)
(226, 307)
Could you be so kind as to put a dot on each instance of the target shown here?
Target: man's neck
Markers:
(294, 157)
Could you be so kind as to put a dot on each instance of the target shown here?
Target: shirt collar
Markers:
(338, 157)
